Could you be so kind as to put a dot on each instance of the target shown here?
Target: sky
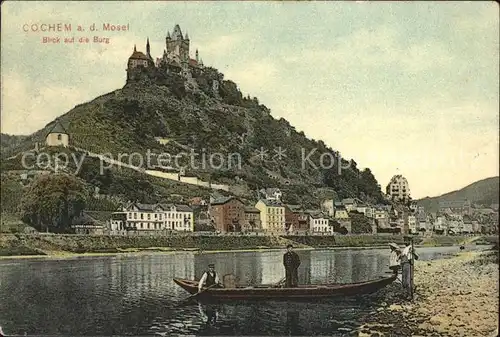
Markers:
(407, 88)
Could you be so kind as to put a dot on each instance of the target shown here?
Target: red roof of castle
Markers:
(193, 62)
(138, 55)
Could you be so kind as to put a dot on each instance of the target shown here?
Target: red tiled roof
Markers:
(138, 56)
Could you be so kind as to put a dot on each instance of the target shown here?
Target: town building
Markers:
(467, 227)
(351, 203)
(154, 217)
(381, 217)
(455, 223)
(228, 214)
(297, 217)
(341, 212)
(398, 189)
(462, 207)
(319, 222)
(252, 219)
(272, 215)
(328, 206)
(412, 224)
(440, 224)
(57, 135)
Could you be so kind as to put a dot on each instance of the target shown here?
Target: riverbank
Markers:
(454, 297)
(29, 245)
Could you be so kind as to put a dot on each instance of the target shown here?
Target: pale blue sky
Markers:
(403, 88)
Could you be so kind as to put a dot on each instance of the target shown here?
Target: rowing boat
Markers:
(273, 292)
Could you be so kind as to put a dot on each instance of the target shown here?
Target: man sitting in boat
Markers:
(406, 258)
(209, 278)
(394, 258)
(291, 261)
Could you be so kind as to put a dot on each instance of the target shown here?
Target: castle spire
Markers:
(168, 34)
(196, 55)
(148, 48)
(135, 49)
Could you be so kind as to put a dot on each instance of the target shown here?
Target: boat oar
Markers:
(201, 292)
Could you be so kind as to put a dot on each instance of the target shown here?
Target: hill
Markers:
(484, 192)
(7, 142)
(219, 136)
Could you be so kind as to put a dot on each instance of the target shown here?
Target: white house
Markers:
(412, 224)
(319, 223)
(369, 211)
(145, 217)
(441, 224)
(271, 194)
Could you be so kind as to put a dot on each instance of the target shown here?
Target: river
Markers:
(135, 295)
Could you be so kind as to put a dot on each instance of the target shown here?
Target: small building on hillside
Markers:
(273, 194)
(57, 135)
(86, 224)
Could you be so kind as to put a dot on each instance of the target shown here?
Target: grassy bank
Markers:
(24, 244)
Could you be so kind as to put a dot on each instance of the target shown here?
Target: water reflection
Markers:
(134, 295)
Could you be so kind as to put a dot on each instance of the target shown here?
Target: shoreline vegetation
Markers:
(66, 246)
(455, 296)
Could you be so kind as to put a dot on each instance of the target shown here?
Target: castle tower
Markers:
(197, 60)
(177, 45)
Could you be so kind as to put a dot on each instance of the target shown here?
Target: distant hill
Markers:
(484, 192)
(7, 142)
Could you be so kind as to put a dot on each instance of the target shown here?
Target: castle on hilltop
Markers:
(175, 59)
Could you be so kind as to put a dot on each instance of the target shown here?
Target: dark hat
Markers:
(211, 265)
(289, 246)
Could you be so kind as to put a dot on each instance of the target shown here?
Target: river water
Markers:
(135, 295)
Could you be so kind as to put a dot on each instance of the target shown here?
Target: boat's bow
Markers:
(188, 285)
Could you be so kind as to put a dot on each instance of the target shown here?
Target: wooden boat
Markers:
(273, 292)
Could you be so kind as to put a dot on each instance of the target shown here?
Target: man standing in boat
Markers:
(407, 257)
(209, 278)
(291, 261)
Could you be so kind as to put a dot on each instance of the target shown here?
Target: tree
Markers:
(359, 223)
(52, 202)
